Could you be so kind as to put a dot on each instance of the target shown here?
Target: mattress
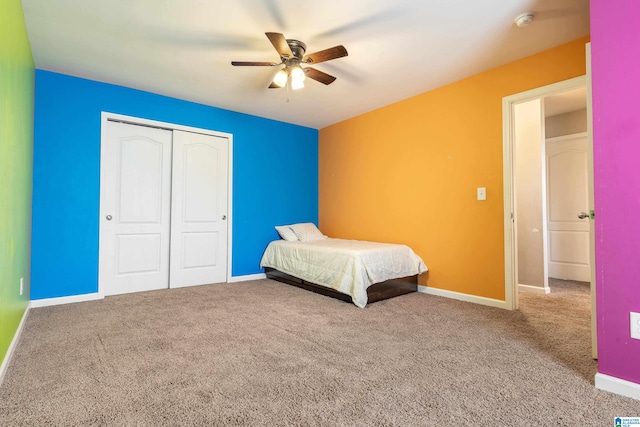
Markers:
(347, 266)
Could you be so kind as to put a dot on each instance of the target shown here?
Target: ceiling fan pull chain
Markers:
(287, 85)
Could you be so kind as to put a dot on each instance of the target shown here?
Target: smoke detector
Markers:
(524, 19)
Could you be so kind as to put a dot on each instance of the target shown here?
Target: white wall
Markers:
(529, 193)
(566, 124)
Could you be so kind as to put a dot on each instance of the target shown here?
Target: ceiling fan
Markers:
(292, 56)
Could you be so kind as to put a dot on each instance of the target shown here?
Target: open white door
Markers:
(199, 209)
(592, 230)
(135, 176)
(529, 194)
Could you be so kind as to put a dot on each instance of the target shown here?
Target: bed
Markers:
(351, 270)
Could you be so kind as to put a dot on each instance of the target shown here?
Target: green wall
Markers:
(16, 167)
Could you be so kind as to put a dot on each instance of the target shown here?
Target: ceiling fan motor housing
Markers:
(297, 48)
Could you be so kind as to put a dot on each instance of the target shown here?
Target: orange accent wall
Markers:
(408, 172)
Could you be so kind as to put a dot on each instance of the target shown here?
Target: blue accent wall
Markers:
(275, 176)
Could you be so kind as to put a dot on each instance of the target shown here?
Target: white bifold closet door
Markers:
(163, 203)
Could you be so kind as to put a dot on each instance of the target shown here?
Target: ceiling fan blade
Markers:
(280, 43)
(318, 75)
(274, 86)
(325, 55)
(253, 64)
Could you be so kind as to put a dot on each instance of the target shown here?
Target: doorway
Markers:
(164, 206)
(536, 100)
(551, 189)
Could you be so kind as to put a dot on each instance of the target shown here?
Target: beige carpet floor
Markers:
(262, 353)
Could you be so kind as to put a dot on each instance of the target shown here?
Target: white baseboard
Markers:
(534, 289)
(617, 386)
(463, 297)
(12, 346)
(96, 295)
(247, 277)
(65, 300)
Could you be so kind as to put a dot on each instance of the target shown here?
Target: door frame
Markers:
(508, 142)
(105, 117)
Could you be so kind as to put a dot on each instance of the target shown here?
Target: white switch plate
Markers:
(482, 193)
(634, 320)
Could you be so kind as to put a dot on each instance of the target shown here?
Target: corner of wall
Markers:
(16, 166)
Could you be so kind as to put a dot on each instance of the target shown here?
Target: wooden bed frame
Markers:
(376, 292)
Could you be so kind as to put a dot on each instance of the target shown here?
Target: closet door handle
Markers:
(224, 217)
(109, 217)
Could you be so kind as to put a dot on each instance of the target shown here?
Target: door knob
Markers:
(109, 217)
(583, 215)
(224, 217)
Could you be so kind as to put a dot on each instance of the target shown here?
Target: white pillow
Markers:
(307, 232)
(286, 233)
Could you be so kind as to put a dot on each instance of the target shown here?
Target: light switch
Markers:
(482, 193)
(634, 320)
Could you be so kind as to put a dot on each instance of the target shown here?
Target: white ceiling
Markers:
(397, 48)
(565, 102)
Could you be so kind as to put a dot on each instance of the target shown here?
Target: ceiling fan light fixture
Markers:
(297, 84)
(297, 74)
(297, 78)
(281, 77)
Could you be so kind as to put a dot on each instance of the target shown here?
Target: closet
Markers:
(163, 208)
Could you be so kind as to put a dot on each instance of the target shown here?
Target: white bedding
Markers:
(348, 266)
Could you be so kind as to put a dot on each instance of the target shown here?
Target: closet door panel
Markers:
(134, 209)
(199, 210)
